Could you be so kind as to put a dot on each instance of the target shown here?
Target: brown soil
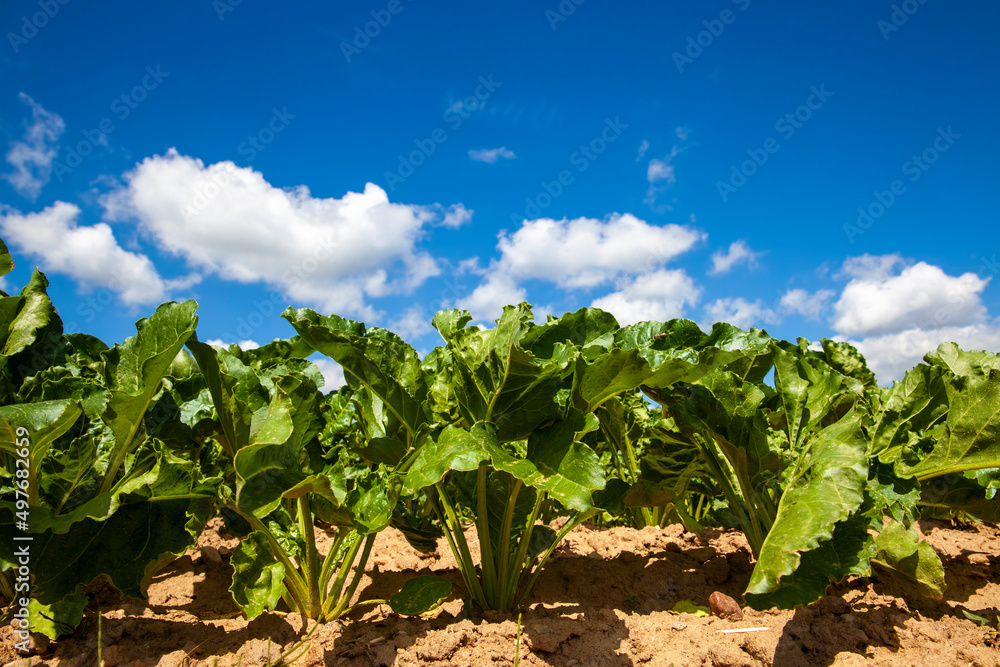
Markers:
(604, 599)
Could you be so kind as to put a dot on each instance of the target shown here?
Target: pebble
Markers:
(678, 625)
(211, 554)
(724, 606)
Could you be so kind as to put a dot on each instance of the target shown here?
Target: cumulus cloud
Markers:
(413, 323)
(878, 301)
(586, 252)
(739, 252)
(583, 253)
(332, 372)
(802, 302)
(660, 295)
(643, 147)
(89, 254)
(456, 216)
(895, 311)
(243, 344)
(491, 155)
(738, 312)
(890, 355)
(32, 156)
(660, 175)
(486, 302)
(332, 253)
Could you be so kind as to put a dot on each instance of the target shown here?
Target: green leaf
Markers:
(58, 619)
(688, 607)
(375, 358)
(134, 371)
(45, 423)
(35, 320)
(590, 329)
(258, 578)
(824, 488)
(420, 595)
(6, 261)
(943, 417)
(847, 552)
(454, 449)
(901, 551)
(236, 391)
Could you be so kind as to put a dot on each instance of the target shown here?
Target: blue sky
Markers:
(816, 169)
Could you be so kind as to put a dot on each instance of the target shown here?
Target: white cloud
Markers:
(413, 323)
(739, 253)
(661, 175)
(243, 344)
(802, 302)
(491, 155)
(661, 295)
(456, 216)
(660, 170)
(738, 312)
(895, 312)
(88, 254)
(32, 157)
(332, 372)
(682, 132)
(877, 302)
(586, 252)
(331, 253)
(889, 356)
(643, 147)
(486, 302)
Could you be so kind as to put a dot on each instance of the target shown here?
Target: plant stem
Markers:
(488, 565)
(312, 556)
(359, 570)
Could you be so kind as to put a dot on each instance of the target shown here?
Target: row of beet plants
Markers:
(133, 448)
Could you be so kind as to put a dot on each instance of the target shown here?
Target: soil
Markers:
(604, 599)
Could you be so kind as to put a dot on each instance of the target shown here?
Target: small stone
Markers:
(211, 555)
(724, 606)
(979, 559)
(678, 625)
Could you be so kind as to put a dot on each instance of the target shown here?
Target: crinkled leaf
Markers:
(901, 551)
(454, 449)
(824, 488)
(420, 595)
(258, 579)
(847, 552)
(59, 618)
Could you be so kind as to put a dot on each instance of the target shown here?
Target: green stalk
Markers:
(570, 525)
(485, 544)
(331, 558)
(521, 555)
(465, 563)
(359, 571)
(508, 520)
(312, 556)
(333, 595)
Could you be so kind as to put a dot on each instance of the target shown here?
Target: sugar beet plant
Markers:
(498, 431)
